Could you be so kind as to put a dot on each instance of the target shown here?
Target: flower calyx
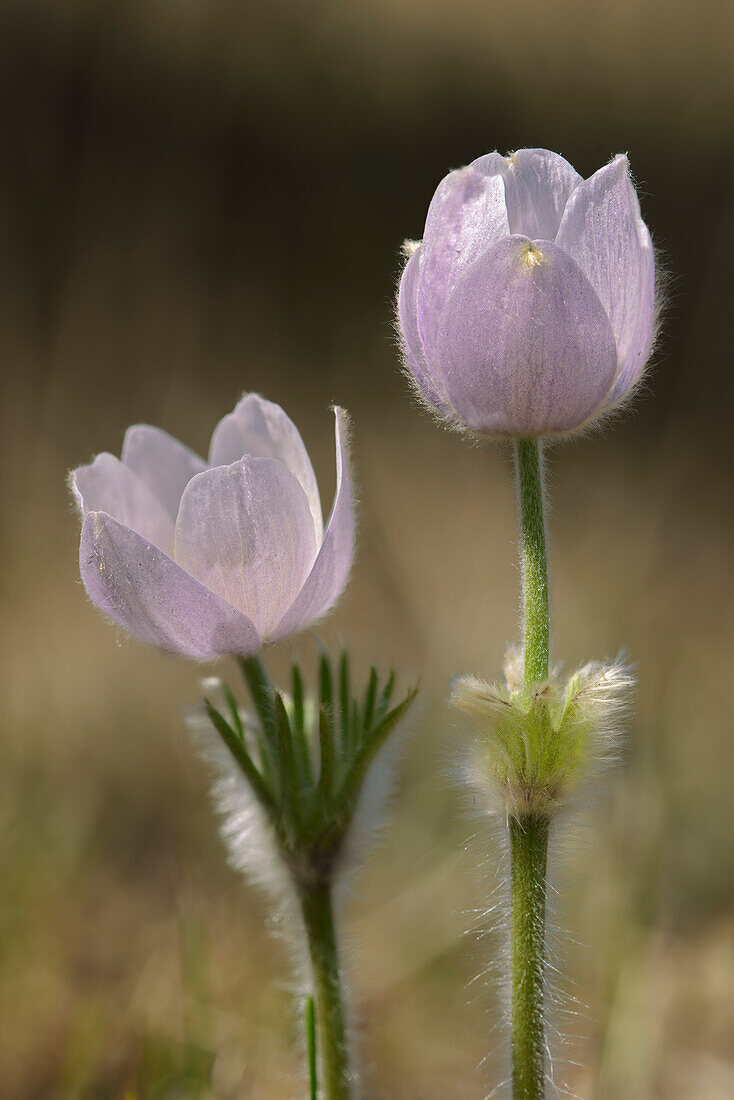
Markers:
(535, 747)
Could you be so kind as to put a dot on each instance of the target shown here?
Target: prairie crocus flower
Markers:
(529, 307)
(209, 558)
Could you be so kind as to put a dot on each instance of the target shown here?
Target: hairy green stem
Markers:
(529, 834)
(311, 1048)
(318, 917)
(534, 558)
(529, 847)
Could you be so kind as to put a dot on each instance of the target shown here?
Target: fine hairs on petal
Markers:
(602, 421)
(408, 247)
(533, 750)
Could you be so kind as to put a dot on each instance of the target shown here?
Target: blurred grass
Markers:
(198, 200)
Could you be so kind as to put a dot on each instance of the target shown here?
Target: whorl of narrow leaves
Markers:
(305, 760)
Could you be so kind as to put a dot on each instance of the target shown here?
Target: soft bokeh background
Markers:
(200, 197)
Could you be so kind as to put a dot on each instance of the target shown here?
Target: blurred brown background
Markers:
(200, 197)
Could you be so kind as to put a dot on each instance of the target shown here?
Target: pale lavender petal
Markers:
(491, 164)
(526, 344)
(246, 532)
(412, 345)
(330, 572)
(539, 184)
(162, 462)
(148, 594)
(260, 428)
(107, 485)
(603, 231)
(467, 216)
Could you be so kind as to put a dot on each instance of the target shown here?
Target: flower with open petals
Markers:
(529, 307)
(209, 558)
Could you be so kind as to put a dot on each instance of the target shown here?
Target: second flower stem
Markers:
(534, 559)
(318, 918)
(529, 834)
(529, 849)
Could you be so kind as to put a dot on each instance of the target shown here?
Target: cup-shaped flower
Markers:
(210, 558)
(529, 307)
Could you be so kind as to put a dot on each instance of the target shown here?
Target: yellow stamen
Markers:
(531, 255)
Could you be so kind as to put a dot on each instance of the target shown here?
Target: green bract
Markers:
(306, 761)
(538, 744)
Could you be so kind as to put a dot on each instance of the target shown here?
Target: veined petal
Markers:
(412, 345)
(330, 572)
(538, 184)
(260, 428)
(466, 217)
(526, 344)
(603, 231)
(246, 532)
(148, 594)
(164, 464)
(107, 485)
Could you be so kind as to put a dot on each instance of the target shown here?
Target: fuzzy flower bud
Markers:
(529, 307)
(536, 748)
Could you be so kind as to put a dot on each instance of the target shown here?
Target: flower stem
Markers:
(318, 918)
(313, 1090)
(529, 464)
(529, 833)
(529, 847)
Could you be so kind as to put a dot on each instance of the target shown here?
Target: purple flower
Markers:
(207, 558)
(529, 306)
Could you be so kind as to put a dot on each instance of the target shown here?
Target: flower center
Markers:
(531, 256)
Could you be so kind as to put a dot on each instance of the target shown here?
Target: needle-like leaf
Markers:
(238, 750)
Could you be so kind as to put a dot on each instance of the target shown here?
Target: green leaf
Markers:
(328, 759)
(261, 693)
(311, 1048)
(234, 710)
(298, 699)
(326, 687)
(242, 758)
(385, 696)
(344, 716)
(371, 747)
(369, 702)
(298, 730)
(289, 765)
